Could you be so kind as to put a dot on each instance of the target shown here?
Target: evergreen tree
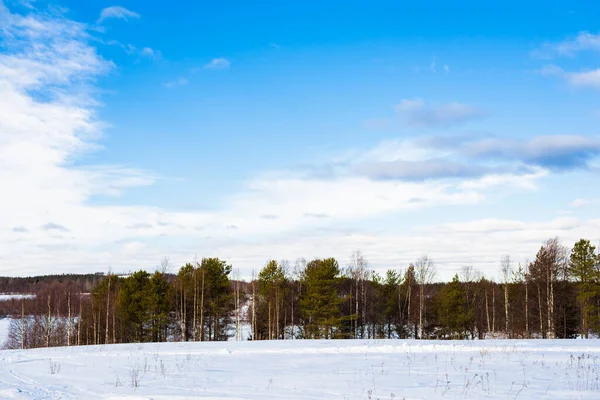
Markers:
(134, 307)
(408, 307)
(104, 296)
(218, 298)
(160, 302)
(320, 301)
(454, 312)
(391, 299)
(271, 288)
(184, 299)
(583, 268)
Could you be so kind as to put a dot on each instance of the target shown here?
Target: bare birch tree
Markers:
(424, 273)
(506, 271)
(358, 271)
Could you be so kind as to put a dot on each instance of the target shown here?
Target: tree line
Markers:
(557, 295)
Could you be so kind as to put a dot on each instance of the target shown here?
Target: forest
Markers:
(557, 295)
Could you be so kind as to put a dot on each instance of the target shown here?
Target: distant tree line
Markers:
(557, 295)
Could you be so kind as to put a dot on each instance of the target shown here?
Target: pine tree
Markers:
(583, 267)
(218, 298)
(271, 288)
(320, 301)
(455, 312)
(391, 300)
(160, 303)
(134, 307)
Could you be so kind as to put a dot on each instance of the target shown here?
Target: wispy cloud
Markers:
(580, 203)
(418, 170)
(585, 79)
(130, 49)
(117, 12)
(218, 63)
(569, 47)
(550, 70)
(417, 113)
(24, 3)
(552, 152)
(50, 226)
(377, 123)
(150, 53)
(178, 82)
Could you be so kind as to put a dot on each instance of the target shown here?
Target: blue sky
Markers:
(252, 131)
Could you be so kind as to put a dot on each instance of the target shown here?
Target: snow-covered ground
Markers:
(4, 324)
(18, 296)
(299, 369)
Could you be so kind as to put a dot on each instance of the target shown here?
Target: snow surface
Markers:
(4, 325)
(10, 296)
(302, 369)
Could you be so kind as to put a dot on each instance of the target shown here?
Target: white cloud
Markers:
(175, 83)
(117, 12)
(148, 52)
(130, 49)
(579, 203)
(218, 63)
(579, 79)
(583, 41)
(24, 3)
(585, 79)
(418, 113)
(551, 70)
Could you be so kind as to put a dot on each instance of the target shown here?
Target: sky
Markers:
(138, 130)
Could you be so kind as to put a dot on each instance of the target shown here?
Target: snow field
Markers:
(300, 369)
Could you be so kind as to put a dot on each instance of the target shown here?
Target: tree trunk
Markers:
(364, 306)
(182, 312)
(195, 325)
(238, 335)
(550, 302)
(356, 308)
(23, 325)
(202, 308)
(421, 302)
(540, 307)
(526, 310)
(487, 311)
(293, 326)
(107, 310)
(114, 325)
(253, 308)
(506, 309)
(69, 319)
(49, 322)
(269, 330)
(79, 323)
(493, 310)
(277, 315)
